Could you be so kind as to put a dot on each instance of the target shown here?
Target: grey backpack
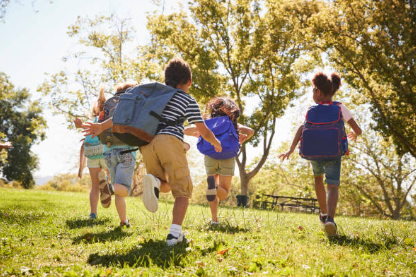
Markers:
(138, 113)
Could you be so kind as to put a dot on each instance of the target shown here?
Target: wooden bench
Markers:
(293, 203)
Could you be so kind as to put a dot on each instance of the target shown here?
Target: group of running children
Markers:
(165, 155)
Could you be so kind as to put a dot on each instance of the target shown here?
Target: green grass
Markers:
(47, 233)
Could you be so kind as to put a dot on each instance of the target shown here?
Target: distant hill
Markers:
(41, 180)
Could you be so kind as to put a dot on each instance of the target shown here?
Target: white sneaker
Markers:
(171, 240)
(151, 186)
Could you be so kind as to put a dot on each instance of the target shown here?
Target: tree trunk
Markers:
(244, 184)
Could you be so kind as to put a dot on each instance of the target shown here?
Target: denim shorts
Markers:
(120, 166)
(331, 169)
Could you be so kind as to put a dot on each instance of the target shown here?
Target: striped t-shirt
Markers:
(181, 105)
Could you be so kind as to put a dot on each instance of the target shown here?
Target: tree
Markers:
(249, 50)
(102, 59)
(373, 44)
(385, 178)
(22, 124)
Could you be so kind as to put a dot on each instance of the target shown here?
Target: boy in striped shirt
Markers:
(165, 156)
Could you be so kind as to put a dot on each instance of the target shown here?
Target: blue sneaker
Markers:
(330, 227)
(93, 216)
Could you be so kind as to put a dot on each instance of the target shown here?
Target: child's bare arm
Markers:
(94, 129)
(294, 143)
(245, 133)
(206, 133)
(191, 131)
(356, 130)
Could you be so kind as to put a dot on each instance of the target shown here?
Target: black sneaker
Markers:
(322, 218)
(171, 240)
(125, 223)
(330, 227)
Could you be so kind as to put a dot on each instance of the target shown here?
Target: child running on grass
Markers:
(120, 160)
(323, 92)
(220, 170)
(165, 155)
(95, 160)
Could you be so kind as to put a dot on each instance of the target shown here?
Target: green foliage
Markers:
(103, 58)
(249, 50)
(49, 234)
(373, 44)
(22, 124)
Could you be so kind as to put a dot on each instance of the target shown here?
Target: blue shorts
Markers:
(331, 169)
(120, 166)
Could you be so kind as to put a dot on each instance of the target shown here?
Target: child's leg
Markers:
(179, 210)
(321, 193)
(333, 193)
(224, 186)
(213, 205)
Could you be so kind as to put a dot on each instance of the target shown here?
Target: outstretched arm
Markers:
(244, 133)
(356, 130)
(294, 143)
(191, 131)
(206, 133)
(94, 129)
(5, 145)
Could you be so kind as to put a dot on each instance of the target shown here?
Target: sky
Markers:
(33, 42)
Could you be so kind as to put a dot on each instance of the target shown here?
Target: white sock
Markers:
(175, 230)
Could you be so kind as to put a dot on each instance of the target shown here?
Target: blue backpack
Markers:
(224, 130)
(323, 135)
(138, 113)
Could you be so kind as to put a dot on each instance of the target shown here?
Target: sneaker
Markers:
(171, 240)
(93, 216)
(105, 192)
(151, 186)
(330, 227)
(322, 218)
(125, 223)
(215, 223)
(212, 189)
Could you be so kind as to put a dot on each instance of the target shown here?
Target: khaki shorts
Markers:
(165, 155)
(221, 167)
(96, 163)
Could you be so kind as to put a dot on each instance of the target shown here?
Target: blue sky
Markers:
(33, 42)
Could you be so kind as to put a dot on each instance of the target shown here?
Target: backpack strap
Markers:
(180, 120)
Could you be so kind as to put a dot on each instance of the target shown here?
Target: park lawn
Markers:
(48, 233)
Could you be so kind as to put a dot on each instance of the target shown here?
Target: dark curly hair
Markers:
(326, 85)
(177, 72)
(222, 106)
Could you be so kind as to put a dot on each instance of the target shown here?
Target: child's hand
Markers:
(93, 129)
(78, 123)
(286, 155)
(242, 137)
(217, 146)
(352, 136)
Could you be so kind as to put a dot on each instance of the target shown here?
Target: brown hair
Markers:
(222, 106)
(125, 86)
(99, 104)
(177, 72)
(326, 85)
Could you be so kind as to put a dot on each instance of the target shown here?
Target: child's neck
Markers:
(183, 87)
(326, 99)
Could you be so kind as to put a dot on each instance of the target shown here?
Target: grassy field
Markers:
(48, 233)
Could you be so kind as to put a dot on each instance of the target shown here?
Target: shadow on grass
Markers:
(146, 254)
(227, 228)
(112, 235)
(79, 223)
(366, 245)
